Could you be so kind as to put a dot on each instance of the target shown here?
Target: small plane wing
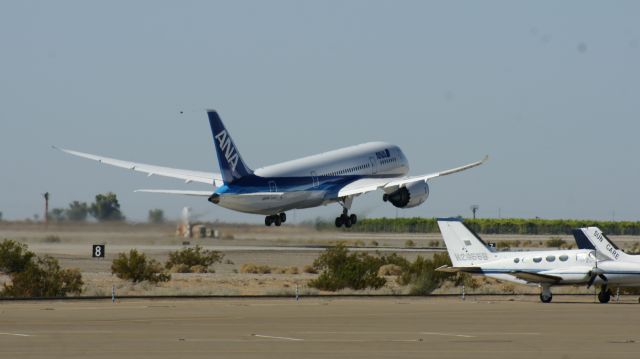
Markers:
(532, 277)
(365, 185)
(446, 268)
(188, 176)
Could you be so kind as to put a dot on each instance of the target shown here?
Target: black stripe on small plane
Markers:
(581, 239)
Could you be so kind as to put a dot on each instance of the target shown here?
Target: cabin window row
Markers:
(549, 258)
(388, 160)
(347, 170)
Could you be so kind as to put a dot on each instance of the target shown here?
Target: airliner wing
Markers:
(532, 277)
(211, 178)
(402, 182)
(362, 185)
(365, 185)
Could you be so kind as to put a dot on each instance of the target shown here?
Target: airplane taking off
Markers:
(618, 268)
(469, 254)
(334, 176)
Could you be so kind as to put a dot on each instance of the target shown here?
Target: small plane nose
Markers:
(214, 198)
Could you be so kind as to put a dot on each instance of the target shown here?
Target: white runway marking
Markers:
(272, 337)
(16, 334)
(449, 334)
(510, 333)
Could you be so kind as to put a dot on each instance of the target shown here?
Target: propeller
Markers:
(596, 272)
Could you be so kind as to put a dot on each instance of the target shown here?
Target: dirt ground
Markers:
(283, 247)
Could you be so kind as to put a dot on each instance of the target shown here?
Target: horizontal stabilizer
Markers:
(176, 191)
(532, 277)
(448, 269)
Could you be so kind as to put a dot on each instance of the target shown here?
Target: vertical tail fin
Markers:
(593, 238)
(231, 164)
(464, 246)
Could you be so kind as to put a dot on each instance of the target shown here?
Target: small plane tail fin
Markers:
(593, 238)
(231, 164)
(466, 249)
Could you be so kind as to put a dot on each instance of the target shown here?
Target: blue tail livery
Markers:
(231, 164)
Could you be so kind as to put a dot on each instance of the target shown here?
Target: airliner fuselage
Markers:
(311, 181)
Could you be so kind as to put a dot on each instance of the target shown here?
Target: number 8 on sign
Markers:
(98, 251)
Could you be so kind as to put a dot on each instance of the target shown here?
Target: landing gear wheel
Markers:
(283, 217)
(604, 296)
(546, 297)
(277, 220)
(346, 220)
(268, 220)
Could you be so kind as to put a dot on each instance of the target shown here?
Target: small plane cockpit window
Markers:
(537, 259)
(564, 257)
(551, 258)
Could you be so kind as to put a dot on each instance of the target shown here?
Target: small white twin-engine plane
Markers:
(469, 254)
(334, 176)
(615, 269)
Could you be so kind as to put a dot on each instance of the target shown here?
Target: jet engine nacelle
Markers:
(411, 195)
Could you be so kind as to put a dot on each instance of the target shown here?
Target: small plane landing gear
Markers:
(545, 295)
(604, 296)
(276, 219)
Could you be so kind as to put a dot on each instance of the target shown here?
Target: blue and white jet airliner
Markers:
(330, 177)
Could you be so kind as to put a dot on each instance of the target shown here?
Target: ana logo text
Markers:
(230, 153)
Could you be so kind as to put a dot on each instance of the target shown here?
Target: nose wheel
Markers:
(276, 219)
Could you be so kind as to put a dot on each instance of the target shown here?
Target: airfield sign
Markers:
(97, 251)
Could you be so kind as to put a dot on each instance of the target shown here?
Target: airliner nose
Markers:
(214, 198)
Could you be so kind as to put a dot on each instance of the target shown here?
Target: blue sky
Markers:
(548, 89)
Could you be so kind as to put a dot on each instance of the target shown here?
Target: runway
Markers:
(321, 328)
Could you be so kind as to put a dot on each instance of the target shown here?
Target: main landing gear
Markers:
(276, 219)
(545, 295)
(604, 296)
(346, 219)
